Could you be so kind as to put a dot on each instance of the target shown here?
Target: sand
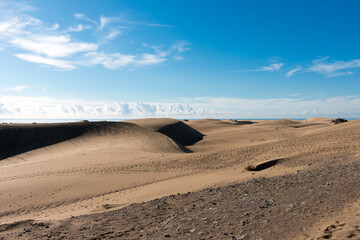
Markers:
(59, 179)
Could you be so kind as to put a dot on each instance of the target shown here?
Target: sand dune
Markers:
(19, 138)
(280, 122)
(55, 171)
(318, 120)
(177, 130)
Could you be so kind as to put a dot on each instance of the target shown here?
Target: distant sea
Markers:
(115, 120)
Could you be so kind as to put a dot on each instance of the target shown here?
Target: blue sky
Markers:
(182, 59)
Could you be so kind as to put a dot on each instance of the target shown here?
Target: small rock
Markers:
(166, 235)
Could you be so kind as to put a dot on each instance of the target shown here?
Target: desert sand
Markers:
(170, 179)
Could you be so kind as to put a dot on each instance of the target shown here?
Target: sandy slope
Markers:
(54, 171)
(280, 207)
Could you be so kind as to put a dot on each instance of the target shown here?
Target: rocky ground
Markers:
(282, 207)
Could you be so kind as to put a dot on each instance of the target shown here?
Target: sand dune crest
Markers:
(177, 130)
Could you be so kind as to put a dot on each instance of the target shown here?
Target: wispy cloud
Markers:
(16, 89)
(295, 94)
(178, 58)
(81, 16)
(292, 71)
(178, 47)
(340, 74)
(48, 45)
(54, 27)
(78, 28)
(47, 62)
(118, 60)
(113, 34)
(323, 66)
(52, 46)
(333, 68)
(271, 68)
(158, 25)
(108, 20)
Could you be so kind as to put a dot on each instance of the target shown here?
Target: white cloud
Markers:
(340, 74)
(47, 62)
(81, 16)
(15, 25)
(54, 27)
(148, 59)
(113, 34)
(333, 68)
(16, 6)
(180, 46)
(295, 94)
(78, 28)
(111, 61)
(282, 107)
(158, 25)
(178, 58)
(177, 47)
(16, 89)
(202, 107)
(292, 71)
(45, 107)
(320, 66)
(118, 60)
(32, 40)
(121, 19)
(52, 45)
(271, 68)
(105, 20)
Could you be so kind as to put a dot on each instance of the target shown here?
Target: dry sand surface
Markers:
(265, 179)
